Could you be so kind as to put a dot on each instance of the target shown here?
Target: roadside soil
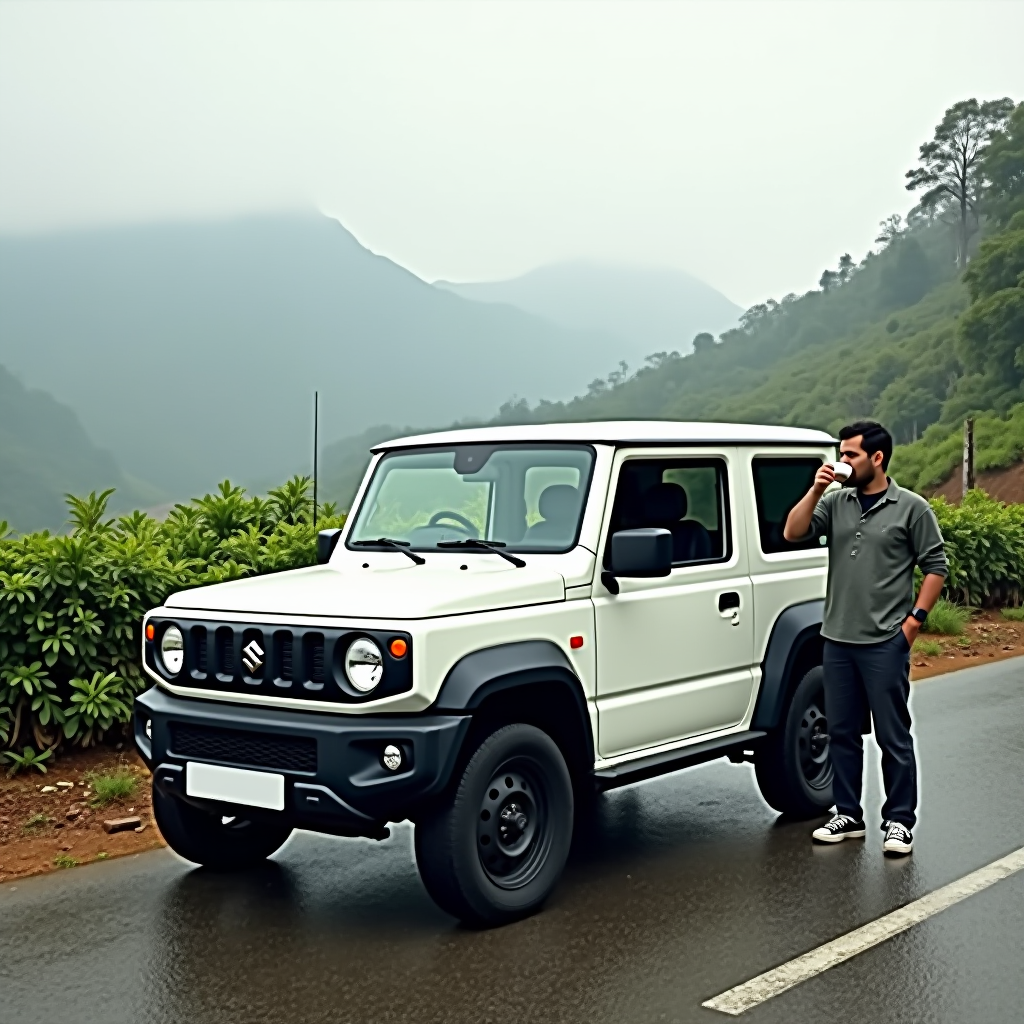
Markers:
(46, 831)
(43, 831)
(988, 637)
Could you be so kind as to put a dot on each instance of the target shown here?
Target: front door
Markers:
(674, 654)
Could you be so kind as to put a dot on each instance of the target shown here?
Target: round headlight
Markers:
(363, 664)
(172, 650)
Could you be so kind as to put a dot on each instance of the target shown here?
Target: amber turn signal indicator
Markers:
(575, 642)
(398, 647)
(150, 631)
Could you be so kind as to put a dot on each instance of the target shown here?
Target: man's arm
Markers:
(798, 522)
(930, 555)
(931, 590)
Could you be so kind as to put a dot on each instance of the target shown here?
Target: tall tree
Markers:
(846, 267)
(1003, 169)
(949, 170)
(890, 229)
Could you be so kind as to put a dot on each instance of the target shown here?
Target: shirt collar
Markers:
(890, 494)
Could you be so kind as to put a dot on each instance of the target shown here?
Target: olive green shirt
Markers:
(871, 560)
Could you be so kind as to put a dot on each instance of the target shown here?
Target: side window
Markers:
(684, 496)
(779, 483)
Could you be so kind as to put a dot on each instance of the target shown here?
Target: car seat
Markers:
(665, 505)
(559, 506)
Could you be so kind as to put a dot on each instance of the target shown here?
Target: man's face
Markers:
(863, 465)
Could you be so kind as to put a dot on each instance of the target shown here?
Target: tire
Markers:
(207, 839)
(793, 767)
(495, 849)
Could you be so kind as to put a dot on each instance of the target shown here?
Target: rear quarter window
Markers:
(779, 483)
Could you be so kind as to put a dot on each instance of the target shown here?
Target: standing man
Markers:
(877, 532)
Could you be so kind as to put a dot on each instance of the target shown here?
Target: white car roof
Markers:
(619, 432)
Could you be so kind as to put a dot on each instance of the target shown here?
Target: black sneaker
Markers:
(841, 827)
(899, 840)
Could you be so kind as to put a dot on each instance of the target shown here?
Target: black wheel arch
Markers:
(794, 648)
(530, 681)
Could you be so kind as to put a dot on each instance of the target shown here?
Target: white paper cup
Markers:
(842, 470)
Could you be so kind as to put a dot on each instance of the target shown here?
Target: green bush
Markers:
(985, 547)
(71, 606)
(1014, 614)
(929, 648)
(946, 618)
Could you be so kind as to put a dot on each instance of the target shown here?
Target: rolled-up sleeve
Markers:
(928, 547)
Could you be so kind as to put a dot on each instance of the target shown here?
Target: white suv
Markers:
(512, 619)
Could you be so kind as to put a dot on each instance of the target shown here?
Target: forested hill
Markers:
(921, 333)
(44, 453)
(911, 335)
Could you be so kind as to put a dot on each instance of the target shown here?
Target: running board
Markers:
(674, 760)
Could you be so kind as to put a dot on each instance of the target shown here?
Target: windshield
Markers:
(524, 497)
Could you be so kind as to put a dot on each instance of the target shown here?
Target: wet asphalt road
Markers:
(682, 888)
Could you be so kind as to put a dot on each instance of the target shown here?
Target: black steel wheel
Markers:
(495, 849)
(221, 842)
(793, 767)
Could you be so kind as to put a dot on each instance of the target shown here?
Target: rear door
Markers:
(674, 654)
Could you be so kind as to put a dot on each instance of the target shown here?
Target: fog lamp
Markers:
(392, 758)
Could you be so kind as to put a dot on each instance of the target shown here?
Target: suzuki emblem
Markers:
(252, 657)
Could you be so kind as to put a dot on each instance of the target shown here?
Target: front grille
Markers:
(301, 662)
(252, 749)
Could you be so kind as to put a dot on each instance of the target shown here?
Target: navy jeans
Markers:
(859, 677)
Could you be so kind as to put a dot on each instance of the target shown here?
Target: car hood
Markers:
(416, 592)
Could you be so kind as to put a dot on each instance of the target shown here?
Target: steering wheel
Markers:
(465, 526)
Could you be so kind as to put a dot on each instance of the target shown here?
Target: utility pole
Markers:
(968, 479)
(316, 430)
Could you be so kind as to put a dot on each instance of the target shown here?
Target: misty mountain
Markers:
(191, 351)
(651, 309)
(45, 453)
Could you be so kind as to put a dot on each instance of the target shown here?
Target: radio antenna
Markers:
(316, 431)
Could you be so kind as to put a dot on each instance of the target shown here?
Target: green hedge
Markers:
(71, 606)
(985, 547)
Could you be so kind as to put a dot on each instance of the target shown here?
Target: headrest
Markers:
(559, 502)
(664, 504)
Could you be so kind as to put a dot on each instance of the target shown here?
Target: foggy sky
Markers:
(749, 144)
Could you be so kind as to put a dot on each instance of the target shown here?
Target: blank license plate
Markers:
(235, 785)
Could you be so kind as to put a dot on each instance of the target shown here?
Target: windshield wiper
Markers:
(387, 542)
(494, 546)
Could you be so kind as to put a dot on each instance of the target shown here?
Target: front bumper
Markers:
(335, 778)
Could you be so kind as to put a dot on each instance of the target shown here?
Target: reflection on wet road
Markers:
(678, 889)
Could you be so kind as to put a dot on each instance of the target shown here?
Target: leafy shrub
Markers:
(28, 758)
(112, 785)
(1014, 614)
(985, 547)
(36, 821)
(64, 860)
(71, 606)
(929, 648)
(946, 618)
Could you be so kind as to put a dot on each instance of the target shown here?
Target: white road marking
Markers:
(758, 990)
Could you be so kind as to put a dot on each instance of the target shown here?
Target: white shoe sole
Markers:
(829, 838)
(898, 849)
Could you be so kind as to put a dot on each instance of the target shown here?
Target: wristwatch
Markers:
(920, 614)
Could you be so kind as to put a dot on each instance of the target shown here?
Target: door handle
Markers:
(729, 606)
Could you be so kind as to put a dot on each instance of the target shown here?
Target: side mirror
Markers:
(638, 554)
(326, 542)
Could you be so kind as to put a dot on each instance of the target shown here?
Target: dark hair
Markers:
(875, 438)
